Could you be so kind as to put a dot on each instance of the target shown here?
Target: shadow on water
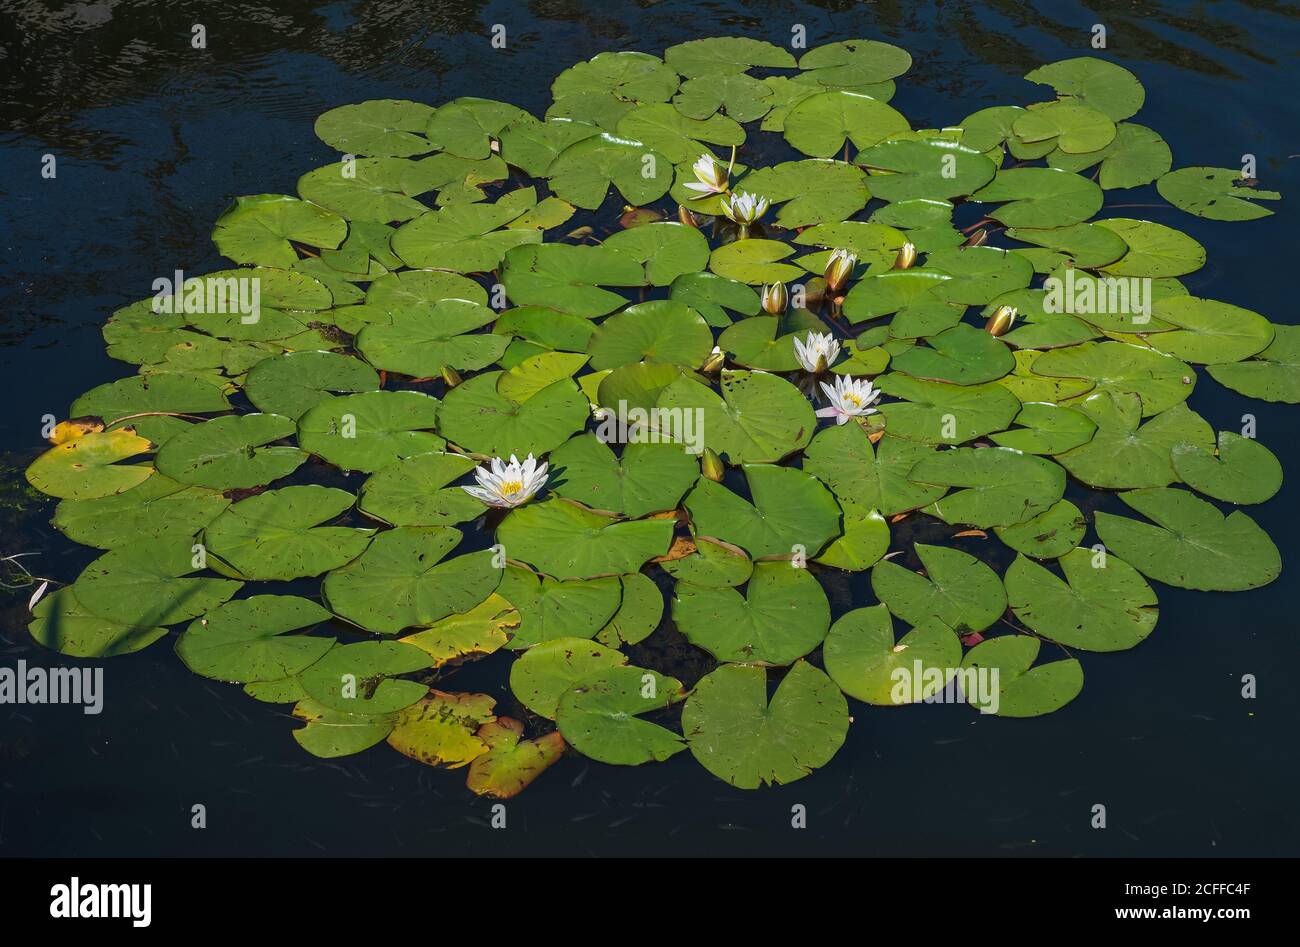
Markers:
(153, 138)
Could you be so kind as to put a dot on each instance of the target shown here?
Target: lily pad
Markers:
(583, 173)
(545, 671)
(739, 737)
(939, 413)
(872, 477)
(1049, 535)
(478, 418)
(1122, 455)
(638, 615)
(929, 169)
(293, 382)
(646, 479)
(1241, 471)
(249, 640)
(569, 278)
(1023, 691)
(658, 331)
(1274, 375)
(371, 430)
(421, 343)
(231, 452)
(144, 584)
(1154, 250)
(569, 542)
(393, 127)
(483, 629)
(957, 590)
(404, 580)
(998, 486)
(821, 124)
(443, 729)
(782, 616)
(88, 467)
(1192, 545)
(1041, 197)
(511, 763)
(760, 418)
(414, 491)
(61, 623)
(867, 663)
(599, 716)
(550, 608)
(1215, 193)
(790, 509)
(1094, 82)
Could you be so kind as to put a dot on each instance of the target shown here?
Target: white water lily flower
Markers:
(848, 399)
(818, 353)
(744, 208)
(712, 176)
(507, 485)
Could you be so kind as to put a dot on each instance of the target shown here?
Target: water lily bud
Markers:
(712, 465)
(711, 177)
(717, 358)
(1000, 322)
(906, 256)
(451, 376)
(838, 269)
(744, 208)
(687, 217)
(775, 298)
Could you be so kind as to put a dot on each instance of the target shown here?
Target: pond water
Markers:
(153, 139)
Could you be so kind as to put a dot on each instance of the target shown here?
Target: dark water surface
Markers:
(154, 138)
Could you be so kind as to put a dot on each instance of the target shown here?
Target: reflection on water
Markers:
(154, 137)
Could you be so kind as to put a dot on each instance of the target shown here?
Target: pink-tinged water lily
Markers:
(775, 298)
(712, 177)
(818, 353)
(507, 485)
(848, 399)
(744, 208)
(838, 269)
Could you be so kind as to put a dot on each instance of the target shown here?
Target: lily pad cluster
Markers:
(470, 281)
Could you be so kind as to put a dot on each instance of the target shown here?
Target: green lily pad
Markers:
(647, 478)
(141, 394)
(1208, 331)
(60, 622)
(391, 127)
(742, 97)
(231, 452)
(962, 355)
(599, 716)
(479, 419)
(866, 662)
(545, 671)
(790, 509)
(467, 126)
(712, 295)
(725, 55)
(1122, 455)
(816, 191)
(413, 289)
(421, 343)
(1096, 608)
(277, 534)
(999, 486)
(404, 580)
(939, 413)
(1023, 691)
(782, 616)
(667, 250)
(1192, 545)
(158, 507)
(248, 640)
(583, 172)
(291, 383)
(957, 590)
(1154, 250)
(739, 737)
(1088, 245)
(767, 342)
(1273, 375)
(1094, 82)
(1075, 128)
(1160, 380)
(569, 278)
(465, 238)
(1136, 156)
(370, 430)
(638, 614)
(874, 478)
(864, 543)
(754, 262)
(1047, 429)
(550, 608)
(893, 290)
(675, 136)
(1214, 193)
(929, 169)
(636, 77)
(853, 62)
(821, 124)
(1049, 535)
(533, 146)
(658, 331)
(713, 565)
(569, 542)
(144, 584)
(257, 229)
(759, 418)
(1241, 471)
(1041, 197)
(363, 678)
(413, 492)
(330, 733)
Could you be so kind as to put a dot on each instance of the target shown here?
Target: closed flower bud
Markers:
(838, 269)
(685, 215)
(451, 376)
(775, 298)
(712, 465)
(717, 358)
(1000, 322)
(906, 256)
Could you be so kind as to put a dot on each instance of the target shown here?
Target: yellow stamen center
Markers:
(852, 399)
(511, 487)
